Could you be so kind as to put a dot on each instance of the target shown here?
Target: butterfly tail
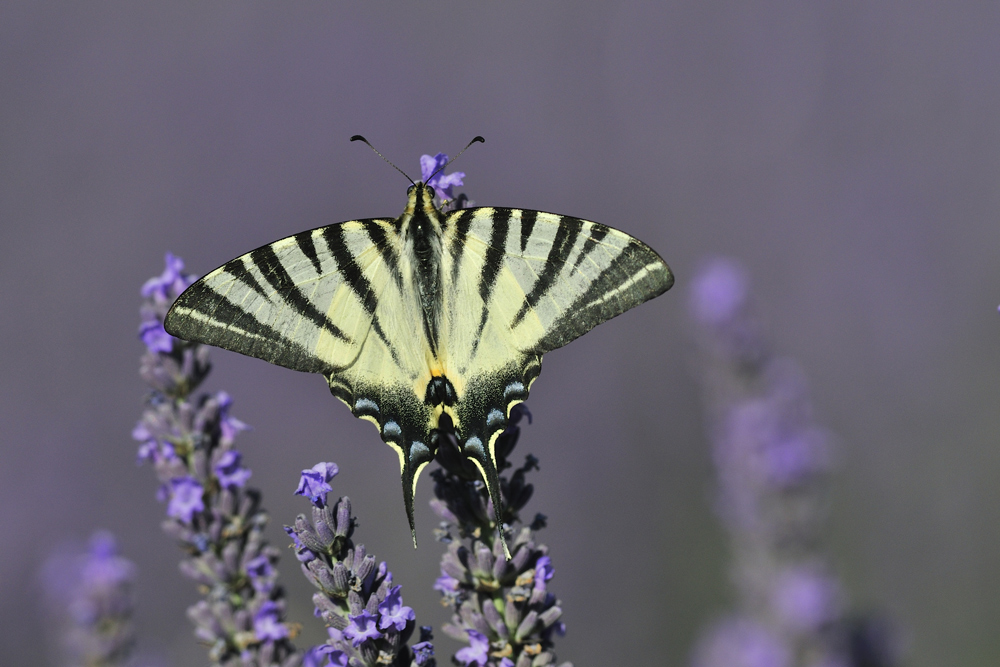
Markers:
(413, 459)
(477, 453)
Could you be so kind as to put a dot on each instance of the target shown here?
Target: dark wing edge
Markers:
(202, 315)
(635, 276)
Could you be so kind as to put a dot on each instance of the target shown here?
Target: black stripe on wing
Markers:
(349, 269)
(636, 275)
(237, 269)
(304, 240)
(562, 245)
(597, 234)
(377, 235)
(462, 226)
(274, 272)
(491, 267)
(351, 272)
(527, 224)
(227, 325)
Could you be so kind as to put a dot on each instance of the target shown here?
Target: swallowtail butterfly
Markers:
(429, 320)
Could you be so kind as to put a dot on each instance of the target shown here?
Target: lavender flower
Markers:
(442, 183)
(477, 652)
(229, 472)
(362, 628)
(394, 612)
(368, 622)
(423, 651)
(502, 608)
(772, 464)
(92, 594)
(315, 483)
(217, 522)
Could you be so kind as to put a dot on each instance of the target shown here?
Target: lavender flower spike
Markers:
(91, 593)
(772, 464)
(368, 622)
(216, 520)
(476, 581)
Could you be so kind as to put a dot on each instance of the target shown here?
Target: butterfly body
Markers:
(429, 321)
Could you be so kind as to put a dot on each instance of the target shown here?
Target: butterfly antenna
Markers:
(358, 137)
(445, 165)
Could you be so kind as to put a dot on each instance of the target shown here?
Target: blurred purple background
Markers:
(847, 153)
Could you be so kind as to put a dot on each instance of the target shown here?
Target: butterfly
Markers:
(430, 321)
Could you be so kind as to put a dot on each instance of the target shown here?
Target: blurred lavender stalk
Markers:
(91, 596)
(772, 464)
(216, 520)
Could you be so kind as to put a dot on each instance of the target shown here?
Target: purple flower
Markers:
(806, 598)
(155, 337)
(423, 652)
(393, 612)
(719, 292)
(506, 662)
(478, 652)
(739, 642)
(261, 573)
(338, 658)
(185, 498)
(229, 426)
(441, 183)
(446, 585)
(147, 452)
(314, 656)
(795, 459)
(229, 472)
(105, 567)
(361, 628)
(301, 551)
(543, 572)
(765, 445)
(169, 283)
(267, 625)
(314, 483)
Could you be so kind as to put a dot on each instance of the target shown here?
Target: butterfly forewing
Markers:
(557, 276)
(286, 303)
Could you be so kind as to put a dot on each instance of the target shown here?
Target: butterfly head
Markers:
(421, 221)
(420, 198)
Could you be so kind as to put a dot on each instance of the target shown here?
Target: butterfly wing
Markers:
(339, 301)
(523, 283)
(289, 302)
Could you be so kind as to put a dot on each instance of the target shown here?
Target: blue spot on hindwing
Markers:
(391, 431)
(420, 452)
(515, 389)
(495, 417)
(473, 444)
